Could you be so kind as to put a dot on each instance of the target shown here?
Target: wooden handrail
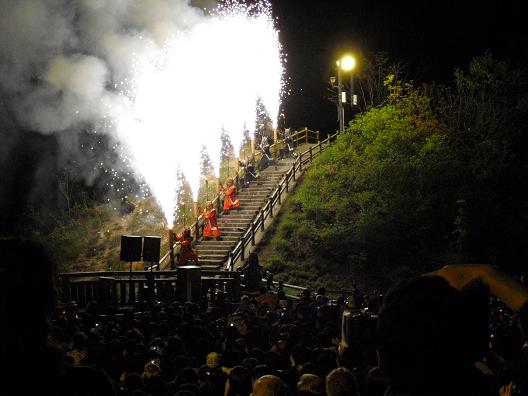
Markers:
(304, 134)
(196, 226)
(267, 210)
(303, 158)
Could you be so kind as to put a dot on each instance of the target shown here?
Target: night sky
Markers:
(431, 37)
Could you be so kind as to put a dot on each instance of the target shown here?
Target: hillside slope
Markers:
(91, 241)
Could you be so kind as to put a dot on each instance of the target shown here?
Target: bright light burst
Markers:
(204, 79)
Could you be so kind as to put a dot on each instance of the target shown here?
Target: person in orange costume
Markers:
(186, 252)
(211, 226)
(231, 200)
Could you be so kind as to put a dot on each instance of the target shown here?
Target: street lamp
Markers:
(347, 63)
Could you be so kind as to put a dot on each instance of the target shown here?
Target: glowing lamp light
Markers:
(348, 62)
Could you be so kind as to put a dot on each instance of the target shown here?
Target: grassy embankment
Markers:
(91, 240)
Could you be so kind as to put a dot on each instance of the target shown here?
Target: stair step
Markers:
(248, 213)
(238, 216)
(233, 233)
(206, 252)
(254, 194)
(251, 207)
(226, 220)
(233, 230)
(267, 184)
(227, 233)
(226, 246)
(210, 257)
(244, 225)
(225, 238)
(214, 242)
(240, 219)
(243, 210)
(213, 262)
(258, 192)
(264, 184)
(211, 266)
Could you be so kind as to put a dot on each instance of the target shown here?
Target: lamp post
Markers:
(347, 64)
(340, 107)
(333, 83)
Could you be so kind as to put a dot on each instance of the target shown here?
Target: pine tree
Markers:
(206, 165)
(183, 203)
(263, 123)
(245, 146)
(227, 153)
(207, 189)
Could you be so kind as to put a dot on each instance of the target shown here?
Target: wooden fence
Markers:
(120, 288)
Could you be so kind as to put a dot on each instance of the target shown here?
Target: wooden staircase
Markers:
(241, 229)
(212, 254)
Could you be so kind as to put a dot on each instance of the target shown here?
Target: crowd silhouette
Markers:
(457, 331)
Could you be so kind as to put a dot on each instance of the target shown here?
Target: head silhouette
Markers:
(422, 336)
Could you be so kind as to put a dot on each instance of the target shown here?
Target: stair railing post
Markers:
(320, 148)
(262, 219)
(311, 155)
(231, 261)
(171, 249)
(196, 224)
(253, 233)
(294, 168)
(243, 248)
(287, 182)
(131, 291)
(271, 206)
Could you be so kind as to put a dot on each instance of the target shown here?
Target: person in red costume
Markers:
(231, 200)
(211, 226)
(186, 252)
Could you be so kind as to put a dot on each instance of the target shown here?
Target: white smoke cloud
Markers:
(143, 71)
(61, 59)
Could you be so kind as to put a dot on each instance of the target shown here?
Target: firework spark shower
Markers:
(202, 80)
(161, 76)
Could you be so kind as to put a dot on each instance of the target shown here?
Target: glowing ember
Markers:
(182, 94)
